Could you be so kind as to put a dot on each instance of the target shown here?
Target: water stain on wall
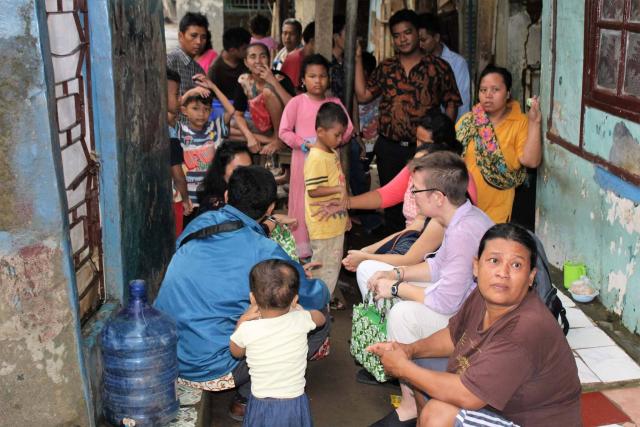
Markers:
(625, 151)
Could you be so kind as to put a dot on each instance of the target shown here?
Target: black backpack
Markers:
(545, 289)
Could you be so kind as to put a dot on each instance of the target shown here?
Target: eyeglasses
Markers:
(415, 191)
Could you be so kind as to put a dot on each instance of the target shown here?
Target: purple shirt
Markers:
(452, 267)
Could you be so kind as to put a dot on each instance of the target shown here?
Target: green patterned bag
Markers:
(282, 236)
(369, 326)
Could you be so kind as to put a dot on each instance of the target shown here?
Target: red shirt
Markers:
(292, 65)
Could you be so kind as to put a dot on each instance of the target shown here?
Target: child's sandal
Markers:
(336, 304)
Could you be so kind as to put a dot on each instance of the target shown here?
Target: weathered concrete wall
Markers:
(583, 212)
(213, 10)
(41, 381)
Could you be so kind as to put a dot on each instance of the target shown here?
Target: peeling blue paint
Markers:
(607, 181)
(105, 135)
(583, 212)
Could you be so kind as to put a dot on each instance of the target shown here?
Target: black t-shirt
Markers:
(176, 155)
(225, 77)
(241, 102)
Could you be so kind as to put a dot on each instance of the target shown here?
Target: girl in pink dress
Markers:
(297, 129)
(207, 54)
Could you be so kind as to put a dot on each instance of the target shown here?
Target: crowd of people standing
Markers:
(252, 291)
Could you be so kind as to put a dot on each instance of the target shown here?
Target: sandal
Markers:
(336, 304)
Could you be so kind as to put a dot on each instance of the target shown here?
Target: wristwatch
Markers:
(394, 288)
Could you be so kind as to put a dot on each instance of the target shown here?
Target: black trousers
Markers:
(391, 157)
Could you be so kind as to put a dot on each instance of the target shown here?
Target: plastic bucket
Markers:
(573, 271)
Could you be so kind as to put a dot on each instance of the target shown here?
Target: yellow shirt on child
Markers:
(322, 169)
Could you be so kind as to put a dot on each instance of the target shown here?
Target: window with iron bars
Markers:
(247, 5)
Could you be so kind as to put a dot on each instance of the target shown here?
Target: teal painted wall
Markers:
(584, 213)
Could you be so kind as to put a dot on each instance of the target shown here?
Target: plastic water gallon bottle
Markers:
(140, 365)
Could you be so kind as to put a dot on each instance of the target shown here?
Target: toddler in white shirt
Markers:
(272, 334)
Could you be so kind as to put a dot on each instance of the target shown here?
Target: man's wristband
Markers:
(398, 274)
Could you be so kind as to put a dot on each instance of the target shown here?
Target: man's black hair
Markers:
(331, 114)
(260, 25)
(309, 32)
(338, 24)
(235, 38)
(429, 22)
(274, 283)
(295, 24)
(404, 15)
(173, 75)
(252, 189)
(193, 19)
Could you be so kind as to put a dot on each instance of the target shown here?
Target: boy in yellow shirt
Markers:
(324, 180)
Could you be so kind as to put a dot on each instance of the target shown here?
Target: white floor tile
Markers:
(610, 363)
(588, 337)
(566, 301)
(577, 318)
(586, 375)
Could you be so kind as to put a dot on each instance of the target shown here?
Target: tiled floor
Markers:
(599, 359)
(628, 400)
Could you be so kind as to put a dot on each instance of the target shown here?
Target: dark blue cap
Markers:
(138, 289)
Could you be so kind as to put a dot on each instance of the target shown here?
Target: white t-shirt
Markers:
(276, 351)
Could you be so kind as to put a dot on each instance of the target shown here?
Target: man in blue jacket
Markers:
(206, 287)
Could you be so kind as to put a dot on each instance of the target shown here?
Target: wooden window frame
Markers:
(619, 104)
(587, 100)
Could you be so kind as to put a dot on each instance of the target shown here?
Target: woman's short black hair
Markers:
(211, 190)
(404, 15)
(262, 46)
(260, 25)
(494, 69)
(442, 129)
(274, 283)
(515, 233)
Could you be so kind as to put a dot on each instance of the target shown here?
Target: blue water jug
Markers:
(140, 364)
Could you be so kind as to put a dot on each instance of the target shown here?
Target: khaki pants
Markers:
(329, 253)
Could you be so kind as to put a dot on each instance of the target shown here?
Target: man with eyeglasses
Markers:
(431, 292)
